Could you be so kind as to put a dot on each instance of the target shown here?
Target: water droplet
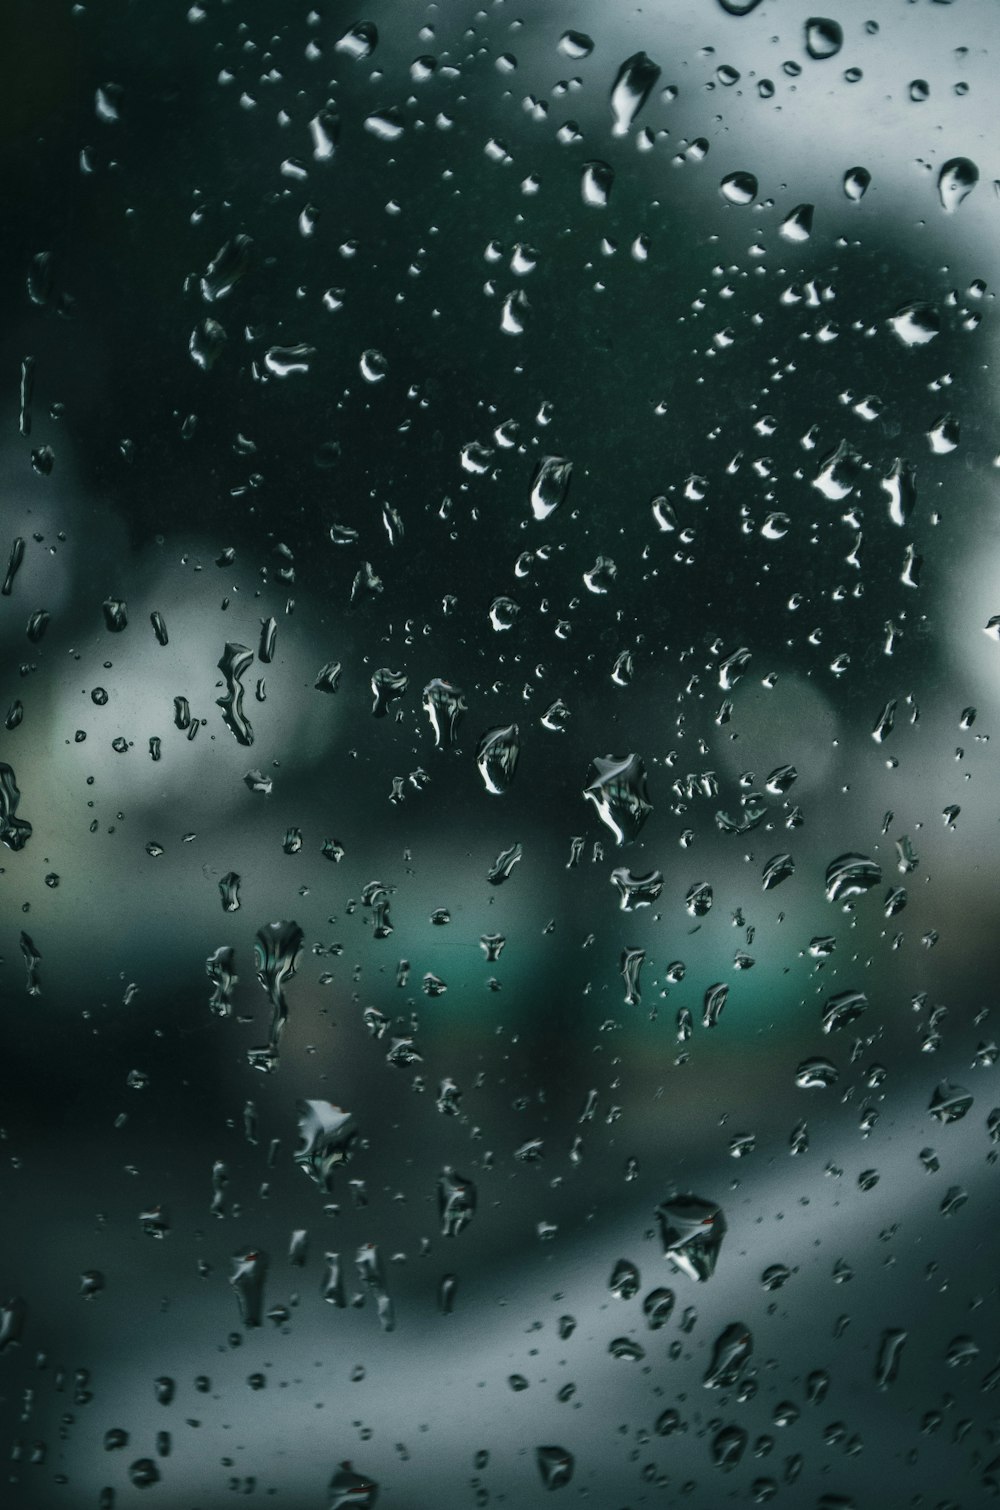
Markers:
(624, 1281)
(691, 1230)
(14, 832)
(37, 625)
(360, 41)
(226, 268)
(636, 891)
(843, 1009)
(950, 1103)
(444, 705)
(797, 226)
(715, 999)
(838, 472)
(631, 964)
(900, 486)
(247, 1279)
(497, 758)
(205, 343)
(328, 677)
(456, 1202)
(889, 1355)
(327, 1136)
(636, 77)
(915, 324)
(576, 44)
(627, 1349)
(289, 361)
(386, 687)
(824, 38)
(115, 614)
(732, 667)
(856, 183)
(851, 875)
(277, 952)
(504, 614)
(234, 663)
(728, 1446)
(229, 889)
(956, 181)
(944, 435)
(349, 1490)
(504, 863)
(555, 1465)
(596, 183)
(107, 103)
(324, 129)
(739, 188)
(616, 786)
(731, 1350)
(386, 125)
(699, 899)
(220, 968)
(373, 365)
(777, 869)
(549, 485)
(144, 1472)
(815, 1074)
(667, 1423)
(774, 1276)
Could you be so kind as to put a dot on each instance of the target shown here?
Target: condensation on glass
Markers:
(498, 776)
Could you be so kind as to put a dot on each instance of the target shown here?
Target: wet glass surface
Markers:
(498, 778)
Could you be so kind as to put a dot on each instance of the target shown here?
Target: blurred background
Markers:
(631, 373)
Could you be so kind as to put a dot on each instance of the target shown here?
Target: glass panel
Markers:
(496, 790)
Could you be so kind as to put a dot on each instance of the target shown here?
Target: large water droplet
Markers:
(889, 1354)
(950, 1103)
(956, 181)
(856, 182)
(691, 1230)
(497, 758)
(797, 226)
(596, 183)
(576, 44)
(247, 1279)
(851, 875)
(815, 1074)
(289, 361)
(843, 1009)
(838, 473)
(555, 1465)
(226, 268)
(915, 324)
(731, 1350)
(739, 188)
(637, 891)
(14, 832)
(900, 486)
(444, 705)
(277, 952)
(327, 1136)
(616, 786)
(636, 78)
(360, 41)
(624, 1281)
(824, 38)
(456, 1202)
(349, 1490)
(549, 485)
(234, 663)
